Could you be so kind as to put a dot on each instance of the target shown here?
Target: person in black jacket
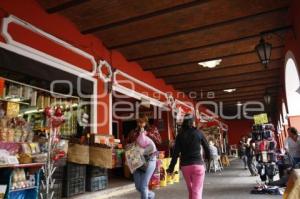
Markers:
(188, 146)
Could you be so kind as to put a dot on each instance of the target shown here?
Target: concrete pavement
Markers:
(233, 183)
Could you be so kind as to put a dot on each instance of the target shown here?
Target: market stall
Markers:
(42, 59)
(34, 122)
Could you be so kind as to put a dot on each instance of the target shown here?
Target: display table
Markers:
(293, 187)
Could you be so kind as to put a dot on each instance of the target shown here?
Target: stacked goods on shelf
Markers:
(74, 181)
(265, 150)
(117, 158)
(96, 178)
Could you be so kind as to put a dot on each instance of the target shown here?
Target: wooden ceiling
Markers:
(169, 38)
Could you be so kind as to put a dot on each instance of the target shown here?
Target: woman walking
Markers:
(188, 147)
(145, 138)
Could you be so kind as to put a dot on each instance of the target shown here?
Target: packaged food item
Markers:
(3, 134)
(34, 148)
(3, 122)
(24, 136)
(39, 158)
(10, 135)
(25, 158)
(26, 148)
(18, 135)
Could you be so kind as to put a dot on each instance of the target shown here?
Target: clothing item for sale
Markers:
(293, 147)
(272, 157)
(188, 145)
(270, 170)
(264, 156)
(267, 134)
(257, 136)
(267, 190)
(261, 127)
(272, 145)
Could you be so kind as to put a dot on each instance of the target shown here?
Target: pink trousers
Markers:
(194, 178)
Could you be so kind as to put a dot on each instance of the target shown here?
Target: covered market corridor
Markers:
(81, 80)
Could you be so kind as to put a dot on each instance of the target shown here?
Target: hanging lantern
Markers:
(267, 99)
(263, 50)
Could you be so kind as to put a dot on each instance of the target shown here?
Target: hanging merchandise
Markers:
(54, 120)
(265, 146)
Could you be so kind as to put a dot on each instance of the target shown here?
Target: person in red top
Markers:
(152, 132)
(142, 176)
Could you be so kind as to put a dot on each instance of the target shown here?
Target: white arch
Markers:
(292, 83)
(281, 122)
(284, 114)
(278, 127)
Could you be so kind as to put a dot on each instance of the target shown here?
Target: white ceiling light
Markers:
(230, 90)
(239, 104)
(211, 63)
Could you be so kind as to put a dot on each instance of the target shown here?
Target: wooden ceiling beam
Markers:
(48, 4)
(57, 6)
(204, 93)
(168, 24)
(164, 8)
(250, 26)
(274, 81)
(231, 61)
(240, 70)
(239, 95)
(97, 15)
(227, 48)
(252, 76)
(242, 92)
(259, 98)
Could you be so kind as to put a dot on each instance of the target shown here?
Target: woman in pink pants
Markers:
(188, 146)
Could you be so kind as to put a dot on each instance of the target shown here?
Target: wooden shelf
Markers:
(22, 165)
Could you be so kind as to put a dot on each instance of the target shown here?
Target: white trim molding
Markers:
(139, 96)
(119, 72)
(184, 104)
(10, 40)
(101, 75)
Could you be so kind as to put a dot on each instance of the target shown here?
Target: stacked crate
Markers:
(58, 175)
(96, 178)
(74, 181)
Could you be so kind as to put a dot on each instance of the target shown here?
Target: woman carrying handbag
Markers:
(144, 139)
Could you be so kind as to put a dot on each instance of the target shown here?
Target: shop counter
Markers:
(293, 188)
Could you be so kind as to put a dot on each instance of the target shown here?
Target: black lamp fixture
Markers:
(267, 99)
(263, 50)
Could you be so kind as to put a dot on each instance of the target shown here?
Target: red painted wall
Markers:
(58, 26)
(292, 44)
(237, 129)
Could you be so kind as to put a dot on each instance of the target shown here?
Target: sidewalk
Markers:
(234, 183)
